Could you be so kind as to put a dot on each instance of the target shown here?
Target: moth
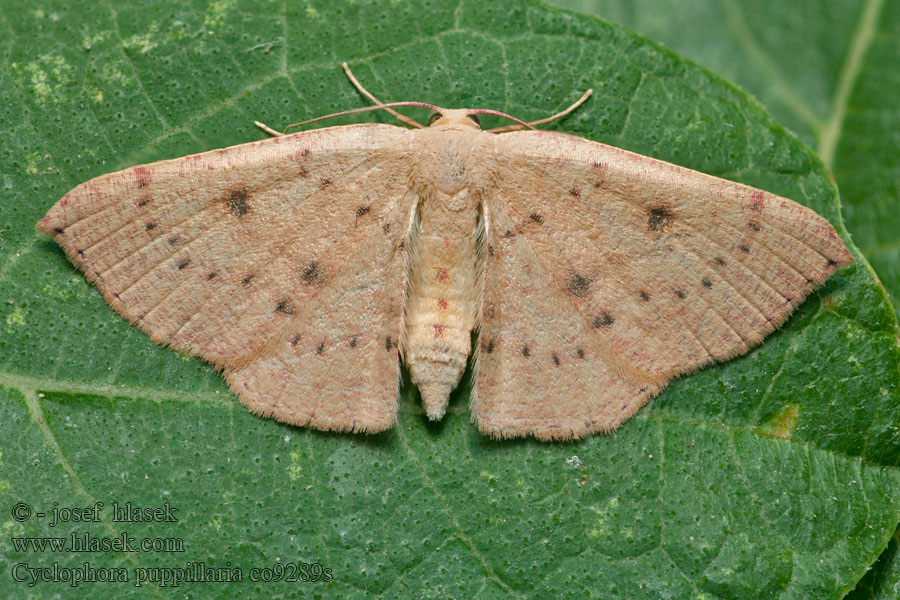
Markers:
(305, 266)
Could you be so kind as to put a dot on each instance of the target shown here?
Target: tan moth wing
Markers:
(608, 273)
(281, 262)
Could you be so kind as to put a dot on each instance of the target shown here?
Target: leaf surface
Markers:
(769, 476)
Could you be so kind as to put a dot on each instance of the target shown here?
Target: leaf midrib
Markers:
(860, 41)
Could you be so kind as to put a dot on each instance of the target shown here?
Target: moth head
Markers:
(453, 118)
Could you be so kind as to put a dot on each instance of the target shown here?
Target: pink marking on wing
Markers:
(141, 177)
(758, 200)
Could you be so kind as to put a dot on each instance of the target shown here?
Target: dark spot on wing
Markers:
(386, 228)
(325, 182)
(536, 218)
(388, 343)
(150, 226)
(508, 234)
(353, 341)
(706, 282)
(719, 261)
(80, 252)
(238, 203)
(681, 295)
(174, 240)
(142, 183)
(305, 152)
(144, 201)
(575, 192)
(184, 263)
(555, 359)
(745, 249)
(58, 230)
(284, 307)
(247, 279)
(321, 348)
(295, 340)
(831, 262)
(578, 286)
(362, 210)
(580, 353)
(211, 275)
(490, 249)
(658, 218)
(526, 351)
(604, 320)
(401, 245)
(490, 347)
(644, 296)
(313, 275)
(754, 226)
(311, 272)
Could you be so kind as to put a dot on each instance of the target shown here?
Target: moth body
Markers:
(445, 269)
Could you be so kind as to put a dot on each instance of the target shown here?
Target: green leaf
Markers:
(883, 579)
(768, 476)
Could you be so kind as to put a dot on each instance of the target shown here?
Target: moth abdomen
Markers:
(437, 344)
(442, 297)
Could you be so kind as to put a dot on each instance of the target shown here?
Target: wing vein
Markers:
(168, 259)
(774, 253)
(190, 217)
(713, 243)
(181, 284)
(747, 298)
(713, 307)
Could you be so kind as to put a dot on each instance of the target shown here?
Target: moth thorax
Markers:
(452, 176)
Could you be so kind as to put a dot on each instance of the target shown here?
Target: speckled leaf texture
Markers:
(770, 476)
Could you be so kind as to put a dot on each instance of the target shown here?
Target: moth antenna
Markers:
(354, 111)
(497, 113)
(268, 129)
(558, 115)
(402, 118)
